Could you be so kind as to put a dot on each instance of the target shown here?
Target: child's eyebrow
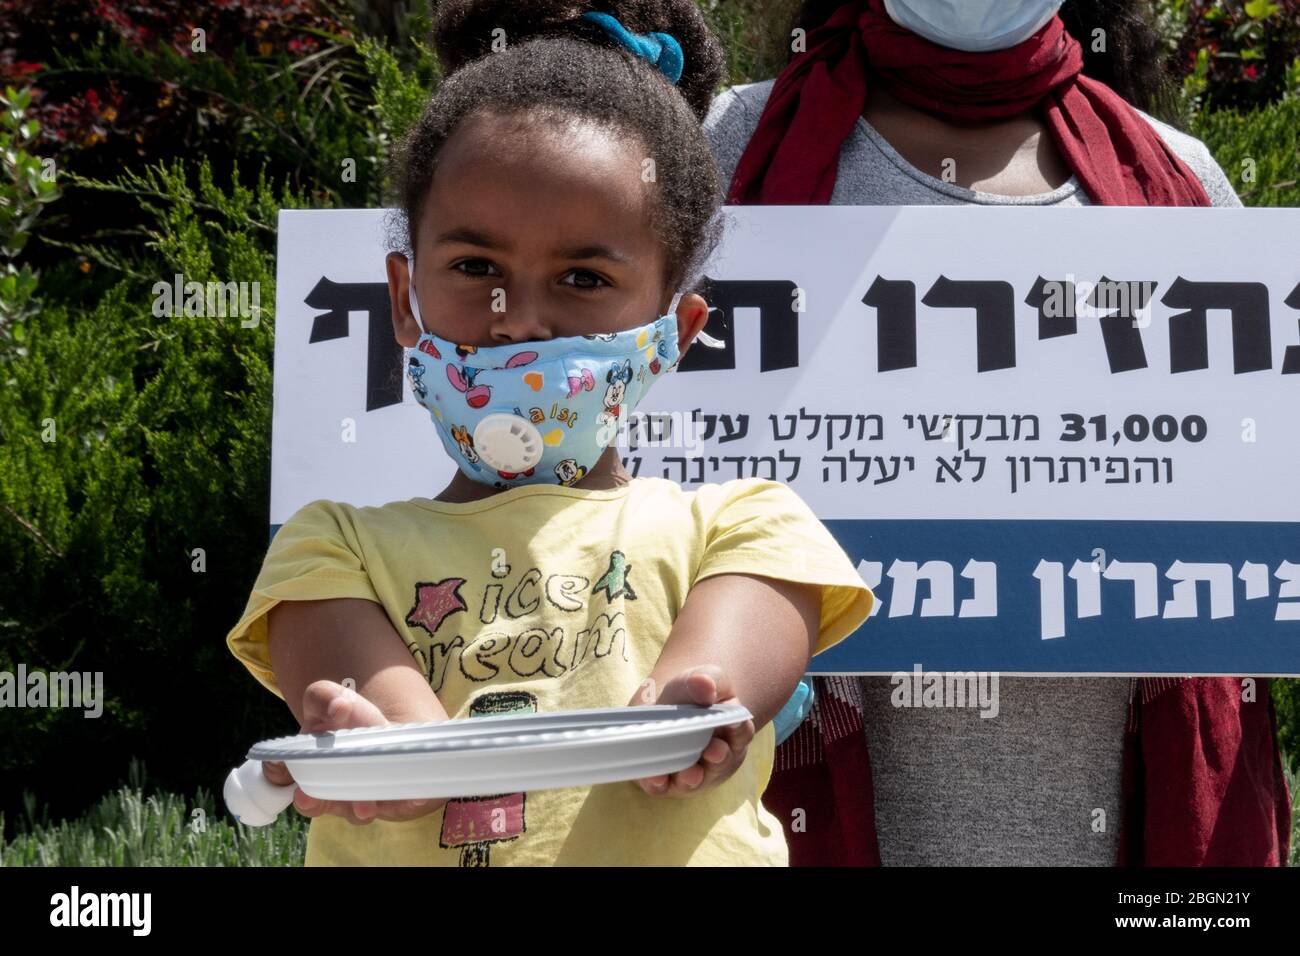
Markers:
(592, 251)
(469, 236)
(586, 251)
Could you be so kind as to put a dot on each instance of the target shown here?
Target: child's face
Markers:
(531, 232)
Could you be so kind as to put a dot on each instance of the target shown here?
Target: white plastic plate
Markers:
(508, 753)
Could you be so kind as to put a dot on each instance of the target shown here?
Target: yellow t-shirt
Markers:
(543, 598)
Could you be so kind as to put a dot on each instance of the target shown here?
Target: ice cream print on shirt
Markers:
(506, 641)
(473, 824)
(530, 626)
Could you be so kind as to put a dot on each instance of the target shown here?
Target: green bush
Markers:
(25, 189)
(1259, 150)
(131, 441)
(1286, 698)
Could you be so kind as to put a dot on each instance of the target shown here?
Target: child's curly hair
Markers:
(560, 67)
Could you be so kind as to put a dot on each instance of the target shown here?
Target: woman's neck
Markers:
(607, 473)
(1012, 157)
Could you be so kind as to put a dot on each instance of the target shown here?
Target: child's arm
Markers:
(314, 647)
(759, 633)
(348, 637)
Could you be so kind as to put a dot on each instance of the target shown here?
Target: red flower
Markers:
(21, 69)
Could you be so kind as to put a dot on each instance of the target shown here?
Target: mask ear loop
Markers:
(707, 340)
(672, 306)
(410, 293)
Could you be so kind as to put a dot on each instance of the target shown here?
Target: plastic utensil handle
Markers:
(252, 799)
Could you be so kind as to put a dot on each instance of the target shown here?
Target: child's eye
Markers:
(476, 267)
(586, 277)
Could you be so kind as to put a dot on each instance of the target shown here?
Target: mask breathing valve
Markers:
(508, 443)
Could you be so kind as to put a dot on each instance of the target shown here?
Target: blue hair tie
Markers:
(661, 49)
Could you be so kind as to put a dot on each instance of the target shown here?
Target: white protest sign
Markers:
(1053, 440)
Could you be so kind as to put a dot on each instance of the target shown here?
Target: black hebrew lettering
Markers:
(1252, 348)
(778, 324)
(995, 316)
(383, 354)
(732, 430)
(1291, 360)
(895, 303)
(1123, 340)
(1055, 307)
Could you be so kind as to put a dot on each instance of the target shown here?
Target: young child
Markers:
(555, 193)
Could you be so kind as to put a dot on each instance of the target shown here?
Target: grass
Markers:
(129, 828)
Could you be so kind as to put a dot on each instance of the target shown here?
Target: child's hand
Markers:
(330, 706)
(724, 752)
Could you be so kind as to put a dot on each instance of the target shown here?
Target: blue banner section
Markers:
(1101, 597)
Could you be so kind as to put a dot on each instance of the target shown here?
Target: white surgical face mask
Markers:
(976, 26)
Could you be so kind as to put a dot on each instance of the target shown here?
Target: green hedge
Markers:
(1259, 150)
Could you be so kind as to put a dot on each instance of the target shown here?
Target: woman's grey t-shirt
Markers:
(952, 787)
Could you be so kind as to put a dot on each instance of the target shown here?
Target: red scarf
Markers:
(792, 157)
(1202, 781)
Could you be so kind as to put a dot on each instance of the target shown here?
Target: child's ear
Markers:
(405, 329)
(692, 317)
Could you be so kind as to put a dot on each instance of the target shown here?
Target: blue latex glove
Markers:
(795, 710)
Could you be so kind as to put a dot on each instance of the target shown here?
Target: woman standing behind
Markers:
(922, 102)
